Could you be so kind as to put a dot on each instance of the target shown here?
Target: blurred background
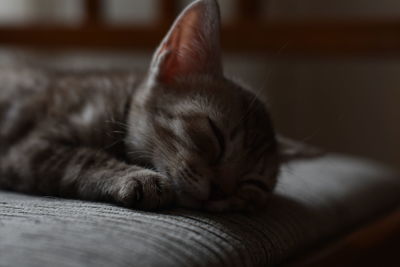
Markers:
(329, 70)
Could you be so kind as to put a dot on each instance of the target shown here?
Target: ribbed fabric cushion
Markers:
(315, 200)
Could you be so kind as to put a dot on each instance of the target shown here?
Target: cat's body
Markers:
(53, 124)
(182, 133)
(89, 107)
(58, 127)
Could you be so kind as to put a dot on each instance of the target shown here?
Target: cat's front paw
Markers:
(147, 190)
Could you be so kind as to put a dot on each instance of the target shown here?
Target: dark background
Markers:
(330, 70)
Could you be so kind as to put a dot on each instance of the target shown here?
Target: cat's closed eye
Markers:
(220, 138)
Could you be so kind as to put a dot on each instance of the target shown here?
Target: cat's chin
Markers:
(219, 206)
(230, 204)
(186, 201)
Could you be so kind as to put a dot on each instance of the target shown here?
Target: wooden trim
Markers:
(93, 12)
(131, 38)
(249, 9)
(376, 244)
(168, 11)
(308, 38)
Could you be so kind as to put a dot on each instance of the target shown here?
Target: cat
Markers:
(182, 135)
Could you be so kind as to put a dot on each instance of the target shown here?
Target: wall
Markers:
(349, 105)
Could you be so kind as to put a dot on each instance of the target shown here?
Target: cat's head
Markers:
(211, 136)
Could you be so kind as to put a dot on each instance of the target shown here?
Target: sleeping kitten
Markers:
(183, 135)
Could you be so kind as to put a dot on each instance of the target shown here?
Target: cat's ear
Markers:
(291, 150)
(192, 46)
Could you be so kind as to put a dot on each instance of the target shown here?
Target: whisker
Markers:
(257, 93)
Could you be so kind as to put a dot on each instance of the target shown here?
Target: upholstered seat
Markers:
(315, 200)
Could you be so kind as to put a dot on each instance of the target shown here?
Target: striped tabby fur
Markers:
(183, 134)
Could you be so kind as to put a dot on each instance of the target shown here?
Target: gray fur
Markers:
(189, 137)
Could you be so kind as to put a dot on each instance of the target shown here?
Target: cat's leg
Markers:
(44, 167)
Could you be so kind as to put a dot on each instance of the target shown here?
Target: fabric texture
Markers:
(315, 200)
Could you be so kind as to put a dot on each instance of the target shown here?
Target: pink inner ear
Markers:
(183, 58)
(192, 45)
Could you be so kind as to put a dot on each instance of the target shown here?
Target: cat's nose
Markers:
(199, 190)
(217, 192)
(194, 184)
(225, 184)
